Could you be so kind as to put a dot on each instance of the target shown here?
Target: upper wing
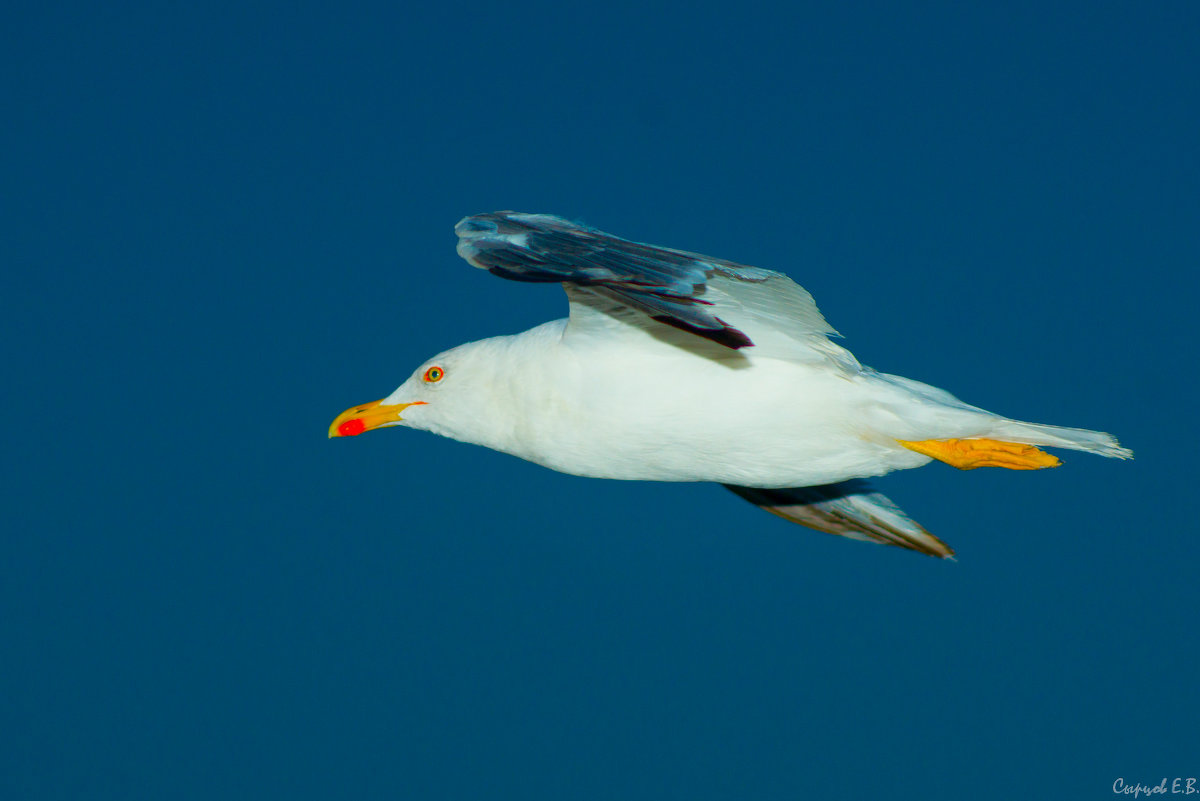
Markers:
(731, 304)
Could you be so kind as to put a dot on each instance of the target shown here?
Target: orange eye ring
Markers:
(433, 375)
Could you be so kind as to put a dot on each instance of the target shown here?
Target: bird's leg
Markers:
(967, 454)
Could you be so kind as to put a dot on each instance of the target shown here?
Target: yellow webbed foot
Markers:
(967, 454)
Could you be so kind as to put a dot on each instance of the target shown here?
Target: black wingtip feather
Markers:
(529, 276)
(728, 336)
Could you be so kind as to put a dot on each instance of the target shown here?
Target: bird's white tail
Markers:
(1076, 439)
(968, 422)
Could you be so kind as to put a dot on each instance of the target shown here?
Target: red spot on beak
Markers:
(352, 428)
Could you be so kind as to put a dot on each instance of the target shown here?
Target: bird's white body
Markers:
(657, 413)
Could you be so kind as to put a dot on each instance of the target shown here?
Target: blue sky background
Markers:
(222, 225)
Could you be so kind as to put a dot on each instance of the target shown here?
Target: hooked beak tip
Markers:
(358, 419)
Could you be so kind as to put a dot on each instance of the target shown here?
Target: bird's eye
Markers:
(434, 374)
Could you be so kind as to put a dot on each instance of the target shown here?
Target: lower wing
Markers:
(849, 509)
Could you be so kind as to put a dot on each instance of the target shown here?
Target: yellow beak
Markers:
(358, 419)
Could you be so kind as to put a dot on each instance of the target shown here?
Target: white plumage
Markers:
(678, 367)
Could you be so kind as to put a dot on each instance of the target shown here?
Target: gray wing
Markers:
(850, 509)
(712, 298)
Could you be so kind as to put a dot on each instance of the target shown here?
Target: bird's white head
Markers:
(452, 386)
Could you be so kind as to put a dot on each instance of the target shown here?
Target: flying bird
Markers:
(674, 366)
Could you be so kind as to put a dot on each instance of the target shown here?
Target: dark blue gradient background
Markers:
(221, 225)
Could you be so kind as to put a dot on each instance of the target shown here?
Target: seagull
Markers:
(674, 366)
